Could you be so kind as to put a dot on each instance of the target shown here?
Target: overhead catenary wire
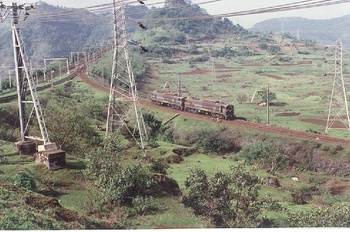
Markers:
(63, 16)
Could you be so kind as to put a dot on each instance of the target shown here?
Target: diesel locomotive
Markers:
(216, 109)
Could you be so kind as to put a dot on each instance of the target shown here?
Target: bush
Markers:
(24, 180)
(126, 183)
(153, 144)
(143, 205)
(227, 199)
(118, 183)
(159, 166)
(334, 216)
(167, 61)
(202, 58)
(265, 154)
(216, 141)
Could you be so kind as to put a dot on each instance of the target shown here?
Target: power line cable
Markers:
(272, 9)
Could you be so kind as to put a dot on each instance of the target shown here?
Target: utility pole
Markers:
(338, 106)
(58, 59)
(10, 77)
(298, 34)
(267, 105)
(124, 112)
(26, 84)
(179, 86)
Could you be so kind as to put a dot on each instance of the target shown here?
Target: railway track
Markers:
(13, 96)
(235, 123)
(75, 70)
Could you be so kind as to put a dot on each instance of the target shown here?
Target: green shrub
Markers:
(153, 144)
(159, 166)
(217, 141)
(143, 205)
(24, 180)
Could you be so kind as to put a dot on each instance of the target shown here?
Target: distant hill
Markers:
(321, 31)
(52, 31)
(195, 21)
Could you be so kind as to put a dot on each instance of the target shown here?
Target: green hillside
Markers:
(195, 172)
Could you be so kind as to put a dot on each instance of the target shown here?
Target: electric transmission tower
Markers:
(26, 85)
(124, 111)
(338, 106)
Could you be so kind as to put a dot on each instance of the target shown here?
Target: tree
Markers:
(153, 124)
(69, 127)
(265, 154)
(226, 199)
(241, 97)
(218, 141)
(263, 95)
(118, 183)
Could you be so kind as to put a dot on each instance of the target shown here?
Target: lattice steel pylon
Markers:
(338, 106)
(124, 110)
(26, 85)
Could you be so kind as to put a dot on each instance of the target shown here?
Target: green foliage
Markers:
(201, 58)
(68, 123)
(103, 66)
(273, 49)
(126, 182)
(226, 199)
(143, 205)
(152, 123)
(215, 141)
(5, 84)
(313, 131)
(23, 220)
(153, 144)
(193, 49)
(119, 183)
(242, 97)
(8, 122)
(223, 52)
(169, 136)
(24, 180)
(208, 28)
(266, 154)
(167, 61)
(160, 51)
(285, 58)
(272, 97)
(335, 216)
(159, 166)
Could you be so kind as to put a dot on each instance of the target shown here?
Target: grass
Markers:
(209, 163)
(173, 215)
(304, 93)
(307, 92)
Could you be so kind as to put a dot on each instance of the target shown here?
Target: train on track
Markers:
(216, 109)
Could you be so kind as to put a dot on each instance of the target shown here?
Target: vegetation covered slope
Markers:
(195, 172)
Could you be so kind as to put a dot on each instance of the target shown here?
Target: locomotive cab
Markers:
(228, 111)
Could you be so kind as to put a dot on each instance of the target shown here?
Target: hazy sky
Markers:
(230, 6)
